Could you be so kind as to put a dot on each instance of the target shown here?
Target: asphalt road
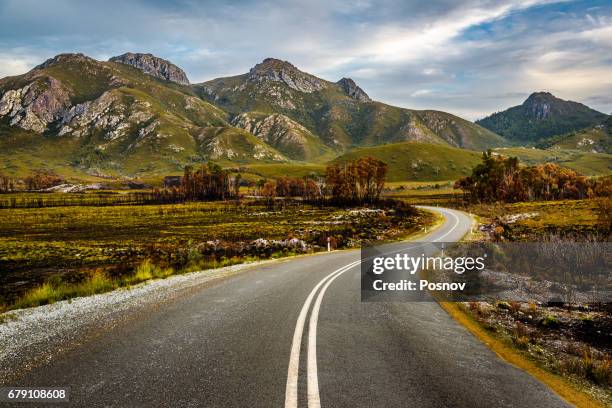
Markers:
(267, 338)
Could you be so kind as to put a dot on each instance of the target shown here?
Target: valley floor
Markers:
(79, 249)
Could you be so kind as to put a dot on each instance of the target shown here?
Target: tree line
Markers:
(356, 182)
(37, 180)
(503, 179)
(353, 183)
(209, 182)
(7, 184)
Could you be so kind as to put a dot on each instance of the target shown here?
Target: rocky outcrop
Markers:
(226, 143)
(273, 129)
(538, 105)
(154, 66)
(109, 113)
(36, 105)
(275, 70)
(351, 89)
(282, 133)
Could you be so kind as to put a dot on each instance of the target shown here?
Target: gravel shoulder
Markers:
(29, 337)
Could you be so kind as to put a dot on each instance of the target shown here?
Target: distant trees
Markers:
(40, 180)
(7, 184)
(356, 182)
(503, 179)
(209, 182)
(359, 181)
(353, 183)
(604, 213)
(268, 191)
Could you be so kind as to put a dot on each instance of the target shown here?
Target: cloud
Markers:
(420, 92)
(470, 57)
(14, 62)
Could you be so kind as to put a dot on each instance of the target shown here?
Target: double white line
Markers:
(291, 392)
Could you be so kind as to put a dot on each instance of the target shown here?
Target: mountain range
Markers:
(138, 115)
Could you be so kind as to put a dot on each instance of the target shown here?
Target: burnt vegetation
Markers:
(503, 179)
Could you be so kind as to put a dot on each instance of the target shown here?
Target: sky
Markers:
(470, 58)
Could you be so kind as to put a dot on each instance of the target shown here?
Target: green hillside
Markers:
(341, 119)
(285, 169)
(586, 163)
(596, 139)
(410, 161)
(459, 132)
(93, 120)
(232, 145)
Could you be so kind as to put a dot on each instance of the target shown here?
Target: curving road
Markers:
(292, 333)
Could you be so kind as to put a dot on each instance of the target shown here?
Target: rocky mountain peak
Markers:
(66, 57)
(542, 105)
(274, 63)
(154, 66)
(351, 89)
(275, 70)
(539, 104)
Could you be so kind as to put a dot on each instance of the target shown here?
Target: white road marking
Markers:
(454, 225)
(291, 391)
(314, 400)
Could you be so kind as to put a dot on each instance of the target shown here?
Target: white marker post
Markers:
(328, 244)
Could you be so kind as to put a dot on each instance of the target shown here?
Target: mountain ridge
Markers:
(135, 114)
(340, 113)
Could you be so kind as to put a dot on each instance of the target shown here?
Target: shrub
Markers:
(503, 179)
(515, 306)
(550, 321)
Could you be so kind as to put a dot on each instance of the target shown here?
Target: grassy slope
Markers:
(286, 169)
(460, 132)
(419, 161)
(595, 139)
(242, 144)
(590, 164)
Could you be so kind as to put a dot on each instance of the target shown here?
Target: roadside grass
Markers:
(51, 292)
(571, 391)
(561, 217)
(100, 282)
(580, 377)
(6, 317)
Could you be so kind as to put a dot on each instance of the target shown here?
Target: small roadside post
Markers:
(328, 244)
